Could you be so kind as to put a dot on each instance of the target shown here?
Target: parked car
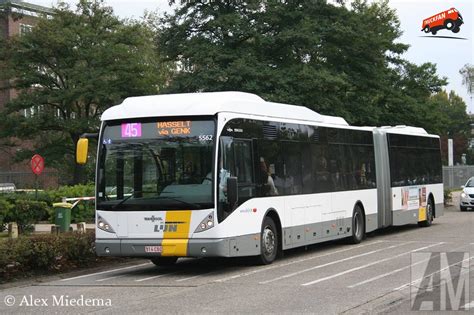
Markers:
(467, 195)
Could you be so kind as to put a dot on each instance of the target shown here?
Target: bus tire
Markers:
(164, 261)
(429, 214)
(426, 29)
(456, 29)
(268, 242)
(358, 226)
(434, 32)
(449, 24)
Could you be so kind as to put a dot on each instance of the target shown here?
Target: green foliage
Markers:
(45, 253)
(448, 196)
(79, 63)
(334, 59)
(5, 208)
(25, 213)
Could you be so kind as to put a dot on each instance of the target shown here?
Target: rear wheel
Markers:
(434, 32)
(268, 242)
(358, 226)
(164, 261)
(429, 214)
(449, 24)
(456, 29)
(426, 29)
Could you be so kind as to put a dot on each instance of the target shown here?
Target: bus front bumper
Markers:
(247, 245)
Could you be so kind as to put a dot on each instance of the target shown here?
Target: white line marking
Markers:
(367, 265)
(407, 285)
(113, 277)
(156, 277)
(193, 277)
(394, 271)
(107, 271)
(468, 306)
(332, 263)
(293, 262)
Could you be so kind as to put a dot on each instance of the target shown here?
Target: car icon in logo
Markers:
(450, 19)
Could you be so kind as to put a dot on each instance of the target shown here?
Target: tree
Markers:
(467, 73)
(68, 70)
(335, 60)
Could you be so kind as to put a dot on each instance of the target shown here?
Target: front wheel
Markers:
(268, 242)
(426, 29)
(358, 226)
(434, 32)
(164, 261)
(429, 215)
(456, 29)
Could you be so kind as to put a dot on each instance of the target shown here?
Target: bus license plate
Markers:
(153, 249)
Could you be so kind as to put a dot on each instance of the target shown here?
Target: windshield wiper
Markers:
(124, 200)
(189, 204)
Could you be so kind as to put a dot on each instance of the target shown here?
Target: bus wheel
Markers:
(434, 32)
(449, 24)
(429, 214)
(426, 29)
(456, 29)
(164, 261)
(268, 242)
(358, 226)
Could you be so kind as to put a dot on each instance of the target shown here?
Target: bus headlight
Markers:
(104, 225)
(205, 224)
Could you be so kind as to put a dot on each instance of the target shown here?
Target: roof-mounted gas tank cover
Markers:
(211, 103)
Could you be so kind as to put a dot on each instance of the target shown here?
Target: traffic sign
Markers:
(37, 164)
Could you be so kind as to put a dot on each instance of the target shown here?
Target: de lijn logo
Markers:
(447, 20)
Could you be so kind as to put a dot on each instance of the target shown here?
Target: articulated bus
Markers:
(228, 174)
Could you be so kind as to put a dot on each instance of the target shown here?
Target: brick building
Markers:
(16, 18)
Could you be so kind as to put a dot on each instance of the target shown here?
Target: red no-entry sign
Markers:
(37, 164)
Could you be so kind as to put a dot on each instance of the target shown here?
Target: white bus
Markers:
(229, 174)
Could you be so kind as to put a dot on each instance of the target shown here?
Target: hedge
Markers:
(24, 209)
(45, 254)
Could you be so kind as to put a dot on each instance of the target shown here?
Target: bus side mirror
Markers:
(81, 151)
(232, 191)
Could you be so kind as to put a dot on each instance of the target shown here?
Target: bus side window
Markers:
(244, 169)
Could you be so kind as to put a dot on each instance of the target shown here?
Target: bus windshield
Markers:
(156, 165)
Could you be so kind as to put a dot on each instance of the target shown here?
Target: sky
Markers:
(450, 55)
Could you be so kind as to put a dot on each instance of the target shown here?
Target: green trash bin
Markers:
(62, 215)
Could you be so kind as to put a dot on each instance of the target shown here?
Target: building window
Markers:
(25, 28)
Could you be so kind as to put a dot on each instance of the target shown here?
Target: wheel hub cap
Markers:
(268, 241)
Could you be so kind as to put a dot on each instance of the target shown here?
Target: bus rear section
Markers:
(450, 19)
(412, 190)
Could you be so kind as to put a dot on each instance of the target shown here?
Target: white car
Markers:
(467, 195)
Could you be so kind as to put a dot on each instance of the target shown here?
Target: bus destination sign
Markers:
(174, 128)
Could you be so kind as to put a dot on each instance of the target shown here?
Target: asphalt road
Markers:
(378, 275)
